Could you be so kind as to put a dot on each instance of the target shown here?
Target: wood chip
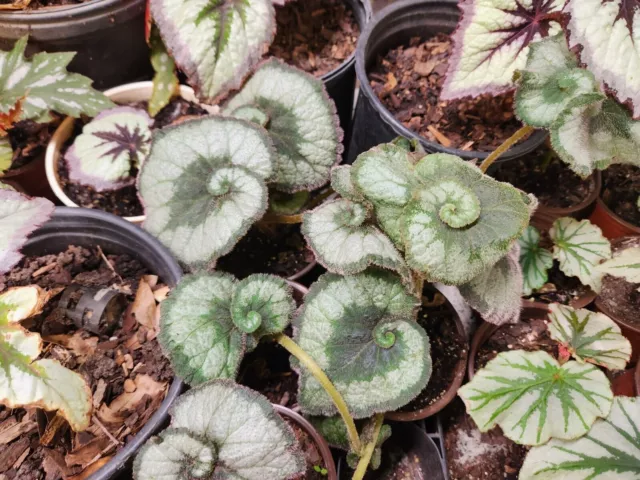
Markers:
(43, 270)
(98, 395)
(11, 429)
(11, 453)
(144, 305)
(443, 140)
(425, 68)
(127, 402)
(18, 462)
(56, 427)
(392, 82)
(86, 454)
(129, 386)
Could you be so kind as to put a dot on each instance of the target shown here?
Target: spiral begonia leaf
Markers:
(589, 336)
(19, 216)
(342, 183)
(624, 264)
(611, 450)
(203, 186)
(216, 43)
(301, 120)
(220, 430)
(535, 261)
(533, 398)
(492, 42)
(361, 331)
(579, 247)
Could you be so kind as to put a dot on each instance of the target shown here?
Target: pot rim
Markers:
(64, 131)
(66, 12)
(319, 440)
(591, 198)
(614, 216)
(529, 144)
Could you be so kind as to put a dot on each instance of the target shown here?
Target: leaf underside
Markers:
(534, 260)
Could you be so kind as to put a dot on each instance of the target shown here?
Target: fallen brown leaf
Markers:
(160, 294)
(94, 467)
(79, 346)
(84, 455)
(144, 305)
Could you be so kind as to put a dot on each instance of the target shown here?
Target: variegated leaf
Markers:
(611, 450)
(215, 43)
(550, 80)
(492, 42)
(533, 398)
(301, 120)
(344, 242)
(203, 186)
(19, 216)
(579, 247)
(165, 79)
(625, 264)
(6, 154)
(497, 292)
(221, 430)
(44, 85)
(361, 331)
(342, 184)
(534, 259)
(109, 148)
(607, 33)
(589, 336)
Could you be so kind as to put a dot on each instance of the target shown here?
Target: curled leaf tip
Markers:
(250, 323)
(384, 337)
(461, 206)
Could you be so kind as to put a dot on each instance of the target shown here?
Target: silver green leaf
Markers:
(589, 336)
(204, 185)
(216, 43)
(165, 78)
(345, 242)
(342, 183)
(220, 430)
(550, 80)
(534, 260)
(625, 264)
(301, 120)
(497, 292)
(361, 331)
(579, 247)
(45, 85)
(533, 398)
(611, 450)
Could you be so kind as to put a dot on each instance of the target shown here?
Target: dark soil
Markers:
(408, 80)
(125, 369)
(529, 334)
(311, 452)
(123, 202)
(38, 4)
(29, 140)
(559, 288)
(278, 249)
(315, 35)
(472, 455)
(447, 347)
(531, 175)
(620, 192)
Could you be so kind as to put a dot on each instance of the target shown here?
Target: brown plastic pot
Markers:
(612, 225)
(626, 384)
(582, 301)
(30, 179)
(319, 440)
(486, 330)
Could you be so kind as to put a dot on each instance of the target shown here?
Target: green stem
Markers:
(508, 143)
(363, 463)
(311, 365)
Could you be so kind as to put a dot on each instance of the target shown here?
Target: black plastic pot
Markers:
(107, 34)
(88, 228)
(393, 26)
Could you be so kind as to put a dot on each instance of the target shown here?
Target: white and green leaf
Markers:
(343, 185)
(589, 336)
(6, 154)
(624, 264)
(579, 247)
(165, 78)
(533, 398)
(534, 260)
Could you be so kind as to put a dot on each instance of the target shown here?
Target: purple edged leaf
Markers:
(492, 42)
(110, 147)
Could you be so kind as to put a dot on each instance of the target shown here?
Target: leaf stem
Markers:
(363, 463)
(508, 143)
(305, 359)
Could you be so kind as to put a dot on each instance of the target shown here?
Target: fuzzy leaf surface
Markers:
(361, 330)
(534, 260)
(625, 264)
(203, 186)
(216, 43)
(165, 79)
(19, 216)
(492, 42)
(109, 148)
(221, 430)
(610, 450)
(533, 398)
(301, 120)
(45, 85)
(589, 336)
(343, 185)
(579, 247)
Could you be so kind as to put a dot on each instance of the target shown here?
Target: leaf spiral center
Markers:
(460, 207)
(383, 336)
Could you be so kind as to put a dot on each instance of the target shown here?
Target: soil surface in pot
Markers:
(408, 80)
(529, 334)
(621, 188)
(396, 465)
(29, 140)
(447, 346)
(123, 202)
(534, 175)
(311, 452)
(125, 369)
(472, 455)
(268, 248)
(315, 35)
(559, 288)
(37, 4)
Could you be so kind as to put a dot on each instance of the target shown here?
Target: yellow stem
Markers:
(311, 365)
(282, 219)
(508, 143)
(363, 463)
